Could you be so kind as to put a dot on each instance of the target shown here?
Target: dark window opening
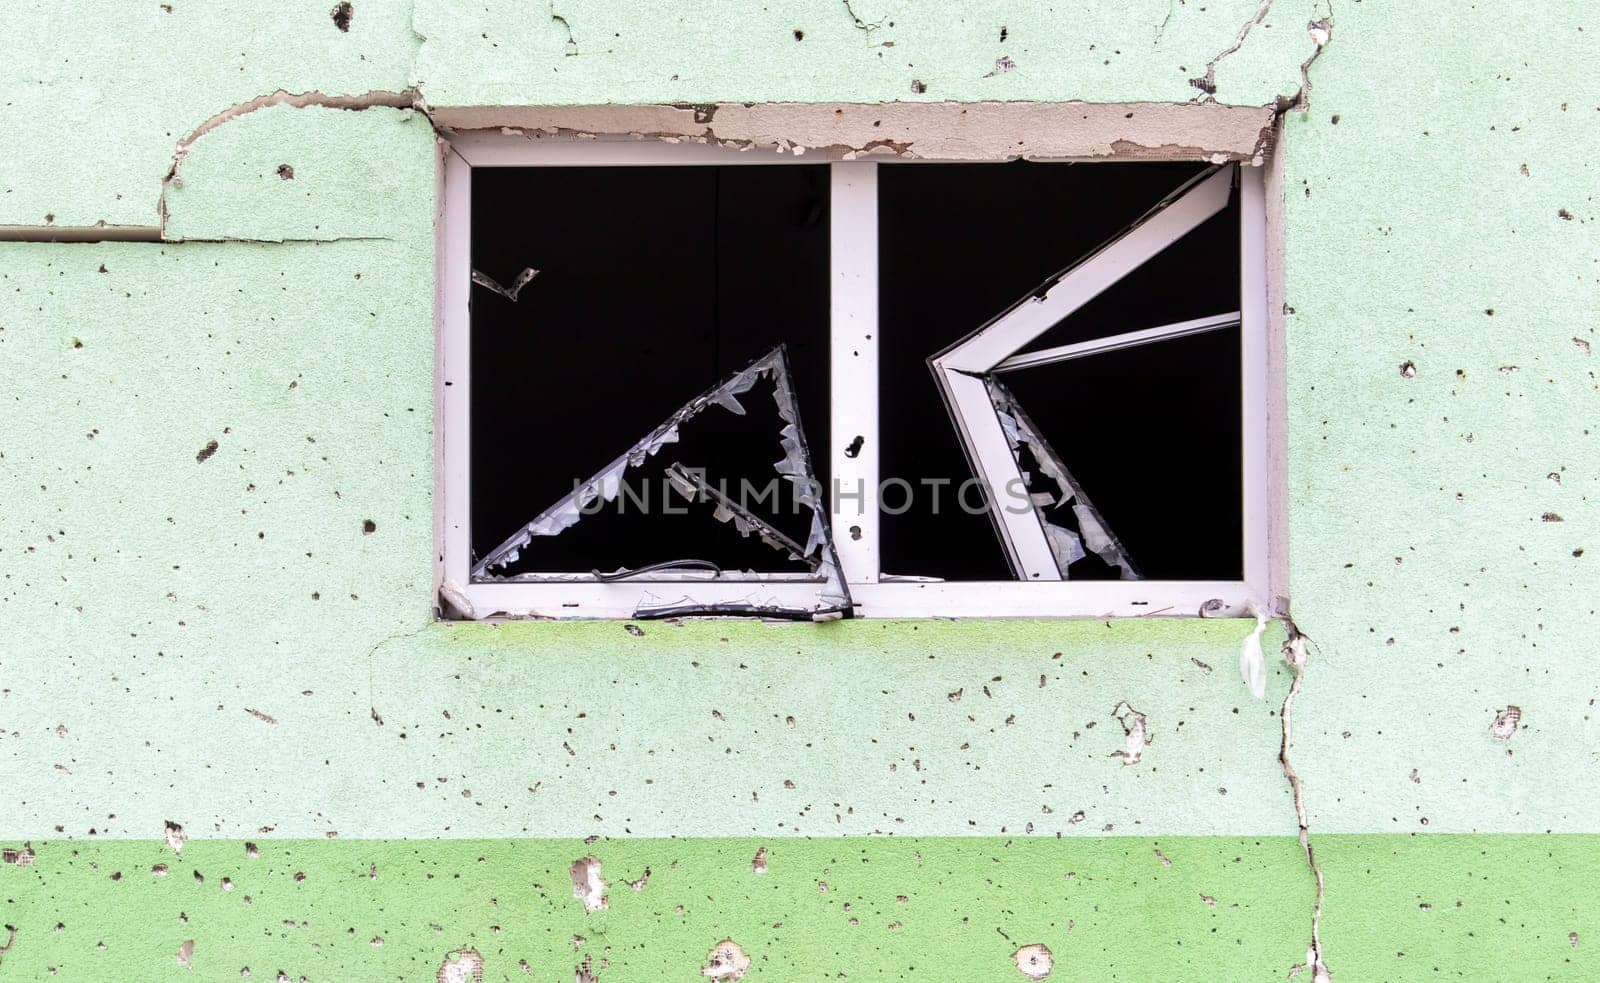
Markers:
(1153, 434)
(654, 285)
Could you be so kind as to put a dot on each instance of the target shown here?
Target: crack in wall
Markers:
(1321, 32)
(1207, 83)
(1294, 655)
(1161, 28)
(566, 26)
(867, 26)
(405, 99)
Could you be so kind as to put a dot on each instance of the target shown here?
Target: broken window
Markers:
(821, 390)
(1104, 391)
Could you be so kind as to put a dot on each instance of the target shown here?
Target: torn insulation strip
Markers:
(1094, 534)
(818, 554)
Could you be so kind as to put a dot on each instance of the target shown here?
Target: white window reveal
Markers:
(677, 385)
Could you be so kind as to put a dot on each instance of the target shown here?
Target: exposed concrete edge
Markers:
(941, 131)
(80, 233)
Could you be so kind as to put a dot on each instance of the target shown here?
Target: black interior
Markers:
(655, 284)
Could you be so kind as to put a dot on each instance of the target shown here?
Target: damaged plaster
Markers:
(258, 590)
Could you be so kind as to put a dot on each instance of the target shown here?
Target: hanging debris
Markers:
(1093, 531)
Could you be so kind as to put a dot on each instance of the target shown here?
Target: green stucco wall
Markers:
(218, 643)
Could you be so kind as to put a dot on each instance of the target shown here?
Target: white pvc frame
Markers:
(854, 410)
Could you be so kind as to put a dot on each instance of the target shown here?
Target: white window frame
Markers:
(853, 347)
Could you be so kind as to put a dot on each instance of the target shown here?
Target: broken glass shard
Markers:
(706, 475)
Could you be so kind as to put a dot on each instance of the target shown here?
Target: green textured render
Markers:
(218, 643)
(1404, 908)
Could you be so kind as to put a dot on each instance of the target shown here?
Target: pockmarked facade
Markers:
(276, 703)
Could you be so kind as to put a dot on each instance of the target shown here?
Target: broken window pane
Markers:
(654, 347)
(1149, 435)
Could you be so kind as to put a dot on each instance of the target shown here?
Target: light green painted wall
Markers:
(1401, 908)
(148, 601)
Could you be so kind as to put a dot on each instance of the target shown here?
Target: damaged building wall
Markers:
(218, 544)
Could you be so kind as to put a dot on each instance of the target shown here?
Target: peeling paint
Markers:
(726, 961)
(1133, 729)
(1034, 961)
(953, 131)
(587, 885)
(1506, 722)
(461, 966)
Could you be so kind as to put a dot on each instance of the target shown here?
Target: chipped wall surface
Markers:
(217, 544)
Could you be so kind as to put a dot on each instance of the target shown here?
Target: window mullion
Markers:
(853, 343)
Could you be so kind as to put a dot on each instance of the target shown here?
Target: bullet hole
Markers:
(854, 447)
(799, 35)
(252, 851)
(1034, 961)
(1408, 369)
(726, 961)
(19, 858)
(586, 883)
(634, 630)
(1505, 722)
(104, 270)
(759, 864)
(77, 343)
(342, 13)
(1489, 311)
(1550, 517)
(855, 532)
(1002, 65)
(1578, 551)
(462, 966)
(176, 837)
(918, 86)
(205, 452)
(368, 527)
(1563, 213)
(1335, 119)
(1003, 35)
(285, 172)
(186, 954)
